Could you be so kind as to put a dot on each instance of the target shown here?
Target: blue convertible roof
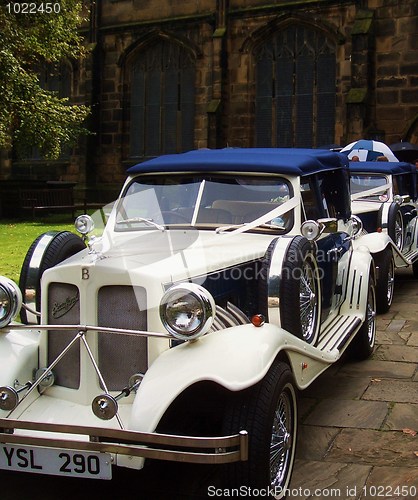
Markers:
(382, 167)
(291, 161)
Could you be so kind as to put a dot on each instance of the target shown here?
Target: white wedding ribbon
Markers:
(370, 192)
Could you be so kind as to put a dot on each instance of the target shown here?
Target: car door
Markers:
(319, 203)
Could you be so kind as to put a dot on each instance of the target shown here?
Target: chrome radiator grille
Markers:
(119, 355)
(64, 309)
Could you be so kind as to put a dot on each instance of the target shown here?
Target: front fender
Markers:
(357, 285)
(377, 242)
(235, 358)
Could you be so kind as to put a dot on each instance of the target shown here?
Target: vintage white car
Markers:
(384, 197)
(224, 282)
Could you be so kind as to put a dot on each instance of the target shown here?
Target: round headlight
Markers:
(187, 311)
(84, 224)
(10, 301)
(310, 229)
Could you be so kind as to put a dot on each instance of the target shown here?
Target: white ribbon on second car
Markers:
(370, 192)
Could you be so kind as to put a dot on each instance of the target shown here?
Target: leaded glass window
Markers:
(162, 100)
(295, 89)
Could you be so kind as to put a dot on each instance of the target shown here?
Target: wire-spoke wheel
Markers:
(308, 299)
(385, 280)
(300, 293)
(399, 230)
(268, 412)
(281, 438)
(363, 344)
(393, 222)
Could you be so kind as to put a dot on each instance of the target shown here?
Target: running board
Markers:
(338, 332)
(411, 256)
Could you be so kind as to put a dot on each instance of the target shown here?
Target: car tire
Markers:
(363, 343)
(394, 224)
(385, 280)
(300, 296)
(48, 250)
(268, 412)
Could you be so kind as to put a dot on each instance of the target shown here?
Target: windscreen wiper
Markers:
(149, 222)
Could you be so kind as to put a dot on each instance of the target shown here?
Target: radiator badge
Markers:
(61, 309)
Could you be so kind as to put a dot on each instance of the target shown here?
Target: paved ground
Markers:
(359, 432)
(358, 436)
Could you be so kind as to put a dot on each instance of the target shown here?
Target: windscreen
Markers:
(369, 187)
(208, 201)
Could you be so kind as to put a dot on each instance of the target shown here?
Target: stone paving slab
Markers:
(380, 369)
(391, 482)
(398, 391)
(384, 337)
(404, 353)
(346, 413)
(406, 310)
(337, 387)
(413, 339)
(395, 326)
(305, 406)
(332, 480)
(314, 442)
(372, 447)
(364, 450)
(402, 416)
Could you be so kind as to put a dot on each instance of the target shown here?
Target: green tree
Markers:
(32, 116)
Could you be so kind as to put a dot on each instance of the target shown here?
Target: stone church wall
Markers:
(376, 84)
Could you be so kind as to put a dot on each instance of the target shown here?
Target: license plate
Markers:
(56, 462)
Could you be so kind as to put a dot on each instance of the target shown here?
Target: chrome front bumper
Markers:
(203, 450)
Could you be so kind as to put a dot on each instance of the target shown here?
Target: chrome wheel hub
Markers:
(281, 443)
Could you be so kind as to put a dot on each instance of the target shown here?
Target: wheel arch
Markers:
(46, 251)
(243, 355)
(386, 220)
(199, 408)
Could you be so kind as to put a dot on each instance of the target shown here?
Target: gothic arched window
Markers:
(162, 100)
(295, 89)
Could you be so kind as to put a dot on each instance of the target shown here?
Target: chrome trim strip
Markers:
(352, 288)
(86, 328)
(212, 450)
(359, 291)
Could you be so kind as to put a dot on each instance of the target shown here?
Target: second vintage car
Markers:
(224, 282)
(384, 197)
